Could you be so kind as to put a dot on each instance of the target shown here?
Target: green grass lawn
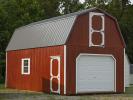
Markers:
(12, 94)
(129, 90)
(2, 86)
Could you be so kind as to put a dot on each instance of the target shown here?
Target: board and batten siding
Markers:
(39, 78)
(79, 43)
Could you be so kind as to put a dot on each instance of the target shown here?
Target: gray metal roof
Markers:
(41, 35)
(49, 32)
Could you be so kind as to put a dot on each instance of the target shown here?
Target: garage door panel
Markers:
(91, 86)
(89, 80)
(91, 63)
(94, 90)
(96, 66)
(100, 86)
(92, 71)
(94, 59)
(95, 73)
(92, 77)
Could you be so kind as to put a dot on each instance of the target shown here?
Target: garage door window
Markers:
(25, 69)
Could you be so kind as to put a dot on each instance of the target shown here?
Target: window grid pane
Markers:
(25, 69)
(25, 62)
(26, 66)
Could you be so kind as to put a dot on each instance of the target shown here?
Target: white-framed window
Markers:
(25, 66)
(100, 31)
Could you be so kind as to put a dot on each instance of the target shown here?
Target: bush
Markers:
(2, 71)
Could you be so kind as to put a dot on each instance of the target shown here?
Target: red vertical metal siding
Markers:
(79, 43)
(39, 78)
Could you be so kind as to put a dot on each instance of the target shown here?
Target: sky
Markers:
(84, 0)
(131, 1)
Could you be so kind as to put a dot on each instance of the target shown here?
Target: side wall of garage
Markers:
(39, 78)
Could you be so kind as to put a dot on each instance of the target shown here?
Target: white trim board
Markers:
(124, 70)
(101, 31)
(51, 74)
(22, 66)
(64, 69)
(108, 55)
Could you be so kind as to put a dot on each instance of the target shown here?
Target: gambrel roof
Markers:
(49, 32)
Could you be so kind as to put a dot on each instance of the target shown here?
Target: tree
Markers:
(16, 13)
(69, 6)
(126, 24)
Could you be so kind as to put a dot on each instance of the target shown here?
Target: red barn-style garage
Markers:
(81, 52)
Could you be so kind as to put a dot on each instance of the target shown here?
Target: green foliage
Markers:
(50, 7)
(2, 71)
(16, 13)
(126, 24)
(69, 6)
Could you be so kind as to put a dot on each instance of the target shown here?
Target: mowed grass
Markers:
(12, 94)
(129, 90)
(2, 86)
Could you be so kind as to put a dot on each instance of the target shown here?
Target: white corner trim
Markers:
(91, 30)
(6, 72)
(22, 66)
(107, 55)
(64, 69)
(124, 70)
(51, 74)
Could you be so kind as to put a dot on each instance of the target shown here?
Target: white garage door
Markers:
(95, 73)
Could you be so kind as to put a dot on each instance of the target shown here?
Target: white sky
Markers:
(131, 1)
(84, 0)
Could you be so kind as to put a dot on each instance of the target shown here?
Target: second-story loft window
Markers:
(96, 29)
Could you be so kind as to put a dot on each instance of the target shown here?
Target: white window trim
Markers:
(91, 30)
(22, 66)
(51, 74)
